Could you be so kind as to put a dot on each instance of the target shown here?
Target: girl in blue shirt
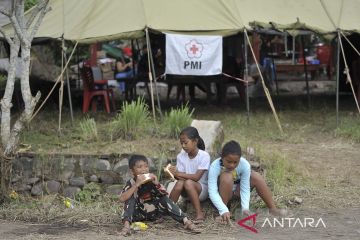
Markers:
(230, 176)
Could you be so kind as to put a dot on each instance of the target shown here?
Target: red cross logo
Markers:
(194, 49)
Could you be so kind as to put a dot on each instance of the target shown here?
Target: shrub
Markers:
(132, 118)
(90, 193)
(88, 129)
(178, 119)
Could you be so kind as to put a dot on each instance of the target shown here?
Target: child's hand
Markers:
(168, 172)
(246, 213)
(154, 178)
(226, 218)
(139, 180)
(172, 169)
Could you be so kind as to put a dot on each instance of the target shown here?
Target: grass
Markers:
(131, 120)
(349, 128)
(51, 208)
(177, 119)
(301, 126)
(88, 129)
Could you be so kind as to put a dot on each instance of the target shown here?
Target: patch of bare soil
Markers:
(330, 192)
(300, 224)
(332, 169)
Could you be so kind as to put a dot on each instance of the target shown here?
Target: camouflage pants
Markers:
(135, 211)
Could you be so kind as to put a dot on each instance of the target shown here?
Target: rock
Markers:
(77, 181)
(303, 191)
(298, 200)
(37, 189)
(32, 180)
(66, 169)
(121, 166)
(250, 151)
(70, 192)
(15, 179)
(103, 165)
(212, 133)
(254, 165)
(114, 189)
(172, 149)
(52, 186)
(88, 164)
(93, 178)
(65, 175)
(21, 187)
(152, 166)
(106, 178)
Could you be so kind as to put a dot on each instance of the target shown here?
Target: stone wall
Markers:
(35, 174)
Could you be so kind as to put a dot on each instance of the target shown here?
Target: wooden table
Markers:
(299, 68)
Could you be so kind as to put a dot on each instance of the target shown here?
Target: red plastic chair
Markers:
(89, 90)
(324, 54)
(101, 83)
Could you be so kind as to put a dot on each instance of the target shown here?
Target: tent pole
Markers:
(150, 74)
(293, 50)
(337, 78)
(61, 89)
(305, 71)
(69, 90)
(154, 77)
(266, 90)
(246, 73)
(286, 44)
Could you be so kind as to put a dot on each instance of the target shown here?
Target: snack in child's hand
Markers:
(166, 169)
(147, 178)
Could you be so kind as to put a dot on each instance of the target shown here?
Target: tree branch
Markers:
(6, 13)
(44, 10)
(34, 13)
(8, 39)
(18, 30)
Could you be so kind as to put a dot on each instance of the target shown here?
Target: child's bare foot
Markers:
(280, 212)
(126, 231)
(159, 220)
(200, 218)
(191, 227)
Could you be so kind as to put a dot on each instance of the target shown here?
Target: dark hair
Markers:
(136, 158)
(192, 133)
(231, 147)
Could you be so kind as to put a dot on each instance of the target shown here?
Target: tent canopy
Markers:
(100, 20)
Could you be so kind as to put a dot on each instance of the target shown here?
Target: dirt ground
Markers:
(332, 194)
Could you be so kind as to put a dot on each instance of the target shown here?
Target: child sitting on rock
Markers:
(191, 171)
(145, 199)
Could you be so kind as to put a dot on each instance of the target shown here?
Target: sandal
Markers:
(191, 227)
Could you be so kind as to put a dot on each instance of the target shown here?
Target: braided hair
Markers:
(192, 133)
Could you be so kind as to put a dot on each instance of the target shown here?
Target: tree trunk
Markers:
(22, 38)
